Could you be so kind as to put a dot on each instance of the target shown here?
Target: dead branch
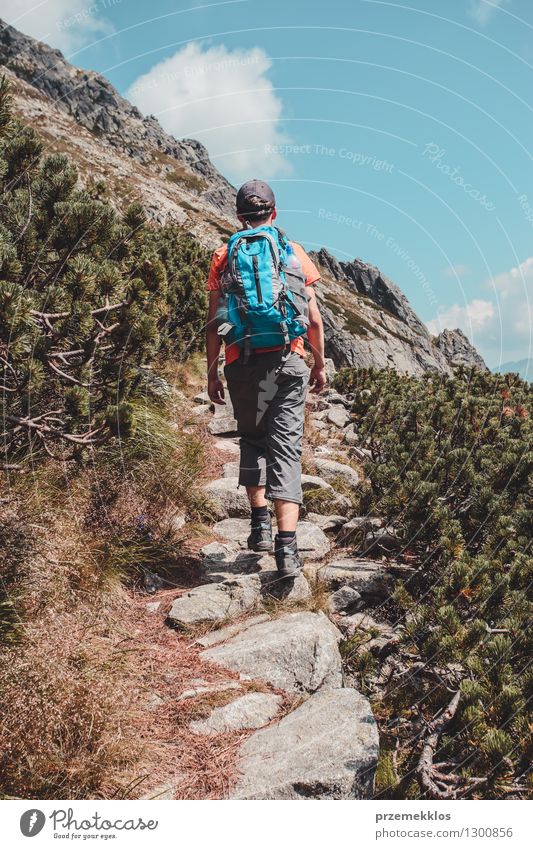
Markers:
(431, 778)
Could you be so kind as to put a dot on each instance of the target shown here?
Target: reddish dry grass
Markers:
(77, 722)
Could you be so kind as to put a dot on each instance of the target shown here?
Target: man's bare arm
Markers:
(315, 336)
(215, 387)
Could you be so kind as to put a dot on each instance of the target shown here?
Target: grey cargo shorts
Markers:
(269, 409)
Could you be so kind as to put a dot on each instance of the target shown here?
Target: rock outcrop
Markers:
(368, 322)
(458, 350)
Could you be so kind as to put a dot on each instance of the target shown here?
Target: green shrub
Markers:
(86, 297)
(451, 469)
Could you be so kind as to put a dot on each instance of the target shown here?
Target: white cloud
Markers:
(67, 24)
(223, 98)
(501, 329)
(470, 318)
(482, 12)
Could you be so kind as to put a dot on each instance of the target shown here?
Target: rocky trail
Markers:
(307, 730)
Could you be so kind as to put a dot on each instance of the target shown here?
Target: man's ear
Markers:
(274, 214)
(241, 219)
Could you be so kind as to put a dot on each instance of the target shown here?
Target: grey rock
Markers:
(359, 524)
(233, 530)
(202, 398)
(310, 482)
(313, 543)
(350, 435)
(203, 688)
(252, 710)
(177, 522)
(361, 453)
(219, 425)
(220, 559)
(330, 369)
(345, 598)
(213, 638)
(231, 470)
(383, 539)
(216, 601)
(459, 351)
(368, 577)
(228, 445)
(153, 606)
(297, 652)
(97, 106)
(327, 523)
(363, 621)
(325, 749)
(319, 425)
(334, 397)
(331, 470)
(152, 582)
(223, 421)
(284, 589)
(338, 416)
(227, 499)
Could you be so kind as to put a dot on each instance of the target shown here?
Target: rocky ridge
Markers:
(98, 107)
(368, 322)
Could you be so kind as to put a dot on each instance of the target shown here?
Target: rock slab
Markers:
(253, 710)
(297, 653)
(326, 749)
(216, 601)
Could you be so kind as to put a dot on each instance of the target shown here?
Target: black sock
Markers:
(259, 514)
(286, 537)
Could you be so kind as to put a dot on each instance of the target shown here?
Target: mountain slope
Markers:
(368, 320)
(522, 367)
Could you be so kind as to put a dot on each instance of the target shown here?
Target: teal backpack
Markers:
(264, 302)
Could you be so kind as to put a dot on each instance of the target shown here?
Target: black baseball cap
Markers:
(255, 189)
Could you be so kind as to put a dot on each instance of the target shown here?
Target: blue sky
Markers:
(396, 132)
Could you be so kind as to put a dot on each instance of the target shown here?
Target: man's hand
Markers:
(317, 379)
(215, 390)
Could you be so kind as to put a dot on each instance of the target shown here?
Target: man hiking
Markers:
(261, 304)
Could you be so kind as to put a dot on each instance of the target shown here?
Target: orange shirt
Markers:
(218, 263)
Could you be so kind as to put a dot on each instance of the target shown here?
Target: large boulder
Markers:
(297, 653)
(216, 601)
(325, 749)
(331, 471)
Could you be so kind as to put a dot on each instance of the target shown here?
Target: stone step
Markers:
(297, 652)
(325, 749)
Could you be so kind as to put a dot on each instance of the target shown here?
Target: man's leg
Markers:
(284, 438)
(243, 388)
(287, 514)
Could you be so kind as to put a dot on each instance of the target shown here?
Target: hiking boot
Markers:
(288, 560)
(260, 538)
